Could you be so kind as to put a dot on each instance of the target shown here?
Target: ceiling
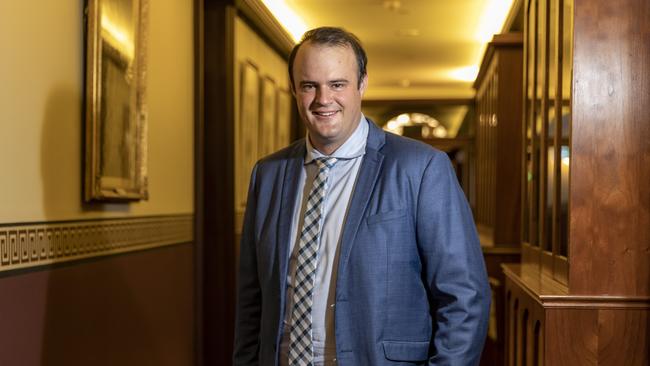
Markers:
(417, 49)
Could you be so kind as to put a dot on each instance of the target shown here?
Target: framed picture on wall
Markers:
(115, 106)
(247, 141)
(283, 121)
(268, 107)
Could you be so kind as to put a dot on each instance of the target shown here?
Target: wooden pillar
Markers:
(214, 189)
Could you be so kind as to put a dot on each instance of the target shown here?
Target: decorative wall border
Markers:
(30, 245)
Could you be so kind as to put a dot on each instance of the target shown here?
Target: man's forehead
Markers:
(321, 47)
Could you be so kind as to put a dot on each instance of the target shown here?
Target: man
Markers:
(358, 246)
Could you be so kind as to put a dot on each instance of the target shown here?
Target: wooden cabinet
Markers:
(498, 139)
(581, 295)
(498, 142)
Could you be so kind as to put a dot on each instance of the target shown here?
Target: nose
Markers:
(323, 96)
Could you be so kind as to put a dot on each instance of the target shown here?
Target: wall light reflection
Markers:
(492, 19)
(288, 18)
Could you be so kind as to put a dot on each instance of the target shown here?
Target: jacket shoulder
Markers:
(407, 150)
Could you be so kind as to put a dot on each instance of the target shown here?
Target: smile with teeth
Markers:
(324, 113)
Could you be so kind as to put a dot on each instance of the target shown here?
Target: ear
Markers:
(363, 85)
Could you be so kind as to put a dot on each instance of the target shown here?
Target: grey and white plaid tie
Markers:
(301, 351)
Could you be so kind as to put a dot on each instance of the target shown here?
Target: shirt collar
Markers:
(353, 147)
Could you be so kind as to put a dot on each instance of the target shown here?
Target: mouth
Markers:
(324, 113)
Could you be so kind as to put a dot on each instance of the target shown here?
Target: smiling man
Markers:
(358, 246)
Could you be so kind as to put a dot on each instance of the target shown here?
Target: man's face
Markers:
(327, 92)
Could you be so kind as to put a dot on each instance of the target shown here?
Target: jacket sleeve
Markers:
(249, 297)
(453, 265)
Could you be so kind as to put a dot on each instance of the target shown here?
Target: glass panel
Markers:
(530, 118)
(526, 126)
(567, 62)
(552, 156)
(536, 231)
(540, 121)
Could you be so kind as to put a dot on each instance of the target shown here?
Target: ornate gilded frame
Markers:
(115, 101)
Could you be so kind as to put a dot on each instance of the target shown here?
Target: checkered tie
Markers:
(301, 350)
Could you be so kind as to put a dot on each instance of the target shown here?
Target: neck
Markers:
(325, 149)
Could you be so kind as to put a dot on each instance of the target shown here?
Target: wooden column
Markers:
(600, 314)
(214, 189)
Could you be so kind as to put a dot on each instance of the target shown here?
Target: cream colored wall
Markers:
(41, 95)
(250, 47)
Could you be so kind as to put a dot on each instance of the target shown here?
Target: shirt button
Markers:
(332, 306)
(334, 359)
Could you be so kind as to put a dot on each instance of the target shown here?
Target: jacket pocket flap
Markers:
(385, 216)
(406, 351)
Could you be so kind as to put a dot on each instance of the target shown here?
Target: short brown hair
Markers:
(332, 36)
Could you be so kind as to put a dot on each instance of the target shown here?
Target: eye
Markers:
(338, 86)
(307, 87)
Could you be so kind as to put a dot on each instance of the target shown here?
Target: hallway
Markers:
(120, 245)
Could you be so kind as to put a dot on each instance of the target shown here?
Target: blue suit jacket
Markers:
(411, 288)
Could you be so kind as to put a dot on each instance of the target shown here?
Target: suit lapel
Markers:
(367, 178)
(289, 188)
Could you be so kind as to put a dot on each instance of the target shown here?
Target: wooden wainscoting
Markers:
(495, 257)
(546, 326)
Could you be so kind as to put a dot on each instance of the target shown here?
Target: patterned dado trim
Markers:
(30, 245)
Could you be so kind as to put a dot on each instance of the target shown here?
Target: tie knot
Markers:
(326, 162)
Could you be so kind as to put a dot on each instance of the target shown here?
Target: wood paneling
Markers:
(575, 337)
(598, 337)
(573, 329)
(132, 309)
(507, 226)
(610, 174)
(493, 352)
(498, 142)
(498, 169)
(214, 190)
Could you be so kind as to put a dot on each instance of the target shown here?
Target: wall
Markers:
(41, 73)
(250, 48)
(135, 308)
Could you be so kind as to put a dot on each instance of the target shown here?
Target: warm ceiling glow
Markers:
(492, 19)
(467, 73)
(288, 18)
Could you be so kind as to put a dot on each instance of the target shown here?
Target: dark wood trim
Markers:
(514, 39)
(512, 15)
(547, 263)
(214, 195)
(561, 268)
(199, 218)
(262, 20)
(552, 294)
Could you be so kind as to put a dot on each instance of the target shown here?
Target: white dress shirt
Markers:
(341, 182)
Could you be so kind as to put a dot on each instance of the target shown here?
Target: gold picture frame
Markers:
(115, 103)
(247, 137)
(283, 128)
(268, 115)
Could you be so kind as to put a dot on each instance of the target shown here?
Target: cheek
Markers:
(304, 102)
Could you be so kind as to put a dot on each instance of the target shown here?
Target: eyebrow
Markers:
(305, 82)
